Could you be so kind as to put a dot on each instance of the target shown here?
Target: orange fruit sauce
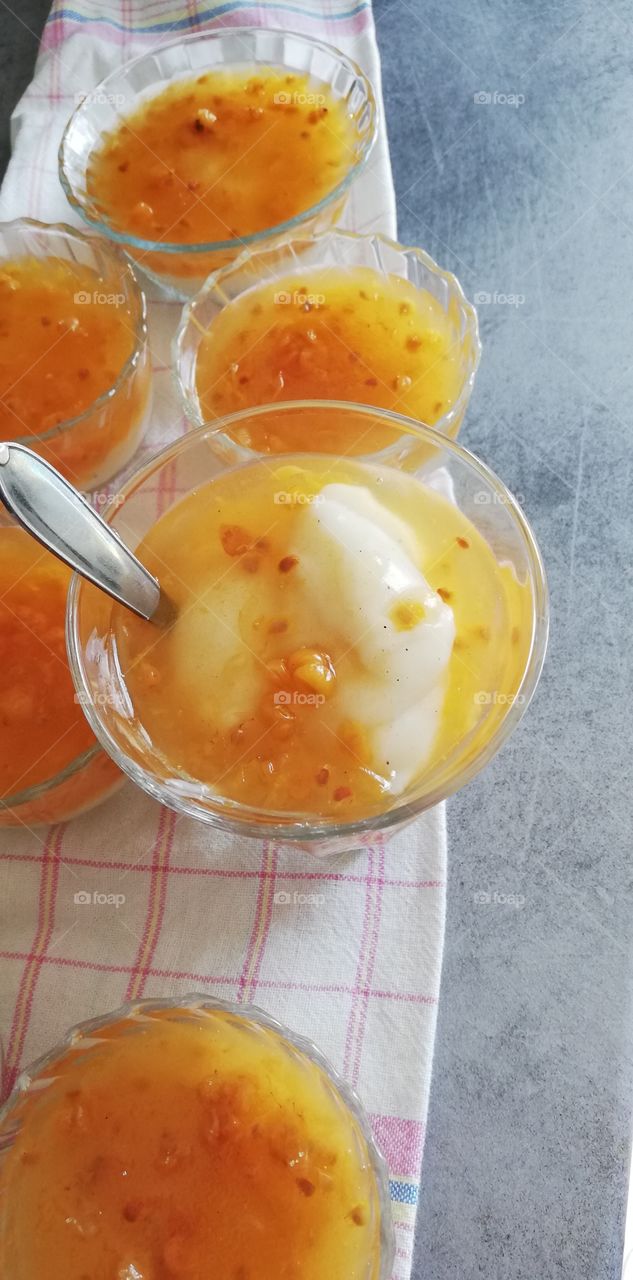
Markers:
(241, 693)
(220, 157)
(42, 728)
(335, 334)
(65, 336)
(188, 1150)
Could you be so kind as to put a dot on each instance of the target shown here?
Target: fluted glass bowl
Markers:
(345, 252)
(42, 1083)
(190, 463)
(96, 444)
(182, 268)
(85, 780)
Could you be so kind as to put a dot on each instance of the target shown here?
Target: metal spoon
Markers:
(61, 519)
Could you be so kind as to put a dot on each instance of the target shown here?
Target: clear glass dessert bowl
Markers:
(260, 1114)
(102, 315)
(85, 782)
(486, 572)
(182, 267)
(254, 331)
(51, 767)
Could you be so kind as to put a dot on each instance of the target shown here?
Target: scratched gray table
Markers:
(510, 130)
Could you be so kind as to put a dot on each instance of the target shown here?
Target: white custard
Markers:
(356, 562)
(355, 569)
(215, 667)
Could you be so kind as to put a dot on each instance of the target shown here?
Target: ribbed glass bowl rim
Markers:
(214, 281)
(40, 789)
(246, 1013)
(241, 819)
(256, 237)
(140, 333)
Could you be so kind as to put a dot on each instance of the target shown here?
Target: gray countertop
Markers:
(527, 195)
(530, 197)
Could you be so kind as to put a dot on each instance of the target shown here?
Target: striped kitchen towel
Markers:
(347, 953)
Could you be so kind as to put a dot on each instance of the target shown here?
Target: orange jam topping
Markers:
(221, 157)
(42, 729)
(281, 681)
(332, 334)
(190, 1150)
(65, 335)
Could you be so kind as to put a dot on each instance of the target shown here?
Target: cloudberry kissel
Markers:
(327, 653)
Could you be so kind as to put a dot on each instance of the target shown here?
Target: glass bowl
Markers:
(86, 779)
(344, 252)
(96, 444)
(184, 467)
(182, 268)
(44, 1080)
(86, 782)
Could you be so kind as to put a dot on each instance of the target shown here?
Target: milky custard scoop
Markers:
(335, 626)
(394, 633)
(384, 636)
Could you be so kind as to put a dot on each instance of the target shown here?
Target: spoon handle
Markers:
(65, 523)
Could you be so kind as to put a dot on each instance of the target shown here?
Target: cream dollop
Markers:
(392, 632)
(356, 592)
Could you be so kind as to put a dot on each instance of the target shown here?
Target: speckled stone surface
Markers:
(531, 195)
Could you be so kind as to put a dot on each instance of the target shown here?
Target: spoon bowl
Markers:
(62, 520)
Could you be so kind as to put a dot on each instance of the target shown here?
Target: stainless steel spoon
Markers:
(61, 519)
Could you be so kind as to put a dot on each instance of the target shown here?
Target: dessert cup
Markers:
(344, 254)
(87, 781)
(180, 470)
(181, 268)
(57, 776)
(259, 1038)
(92, 446)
